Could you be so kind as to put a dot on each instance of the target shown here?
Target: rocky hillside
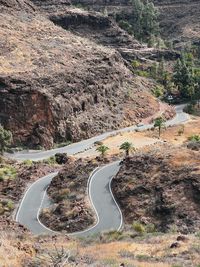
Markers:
(179, 19)
(161, 189)
(9, 5)
(57, 85)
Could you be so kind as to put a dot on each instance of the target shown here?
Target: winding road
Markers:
(108, 214)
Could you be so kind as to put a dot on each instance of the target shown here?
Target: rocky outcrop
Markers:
(56, 85)
(96, 26)
(161, 190)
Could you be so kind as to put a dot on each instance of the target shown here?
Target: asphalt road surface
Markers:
(108, 214)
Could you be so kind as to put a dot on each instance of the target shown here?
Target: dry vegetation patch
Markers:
(71, 210)
(152, 251)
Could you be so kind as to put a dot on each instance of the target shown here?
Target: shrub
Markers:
(125, 26)
(28, 162)
(6, 206)
(114, 235)
(7, 173)
(135, 64)
(62, 194)
(139, 228)
(194, 138)
(50, 161)
(143, 73)
(158, 91)
(10, 205)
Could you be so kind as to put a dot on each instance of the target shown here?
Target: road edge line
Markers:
(26, 192)
(111, 192)
(88, 191)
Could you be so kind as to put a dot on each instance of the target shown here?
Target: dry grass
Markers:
(152, 251)
(138, 140)
(185, 157)
(172, 136)
(12, 251)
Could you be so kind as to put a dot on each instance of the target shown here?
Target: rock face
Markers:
(56, 85)
(163, 190)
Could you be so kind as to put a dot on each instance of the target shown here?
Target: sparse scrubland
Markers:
(68, 73)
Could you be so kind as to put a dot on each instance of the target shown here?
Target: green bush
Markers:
(194, 138)
(7, 173)
(125, 26)
(10, 205)
(6, 206)
(143, 73)
(139, 228)
(135, 64)
(28, 162)
(50, 161)
(158, 91)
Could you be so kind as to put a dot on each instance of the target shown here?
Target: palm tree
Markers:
(127, 147)
(159, 122)
(102, 149)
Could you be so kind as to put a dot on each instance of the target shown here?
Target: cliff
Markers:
(56, 85)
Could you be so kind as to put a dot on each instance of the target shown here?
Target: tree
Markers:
(5, 139)
(102, 149)
(150, 20)
(125, 26)
(184, 76)
(159, 123)
(136, 20)
(127, 147)
(144, 20)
